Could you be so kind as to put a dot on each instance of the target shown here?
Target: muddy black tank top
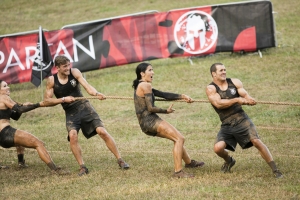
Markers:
(230, 93)
(71, 88)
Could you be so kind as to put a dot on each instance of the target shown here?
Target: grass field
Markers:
(274, 77)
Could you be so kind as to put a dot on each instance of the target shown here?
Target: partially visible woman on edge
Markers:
(152, 124)
(11, 137)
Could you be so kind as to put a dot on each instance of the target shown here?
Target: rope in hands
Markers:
(203, 101)
(182, 100)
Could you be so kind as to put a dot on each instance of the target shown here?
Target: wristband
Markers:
(63, 100)
(97, 93)
(37, 105)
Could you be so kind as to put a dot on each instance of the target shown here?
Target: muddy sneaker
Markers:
(194, 164)
(227, 166)
(83, 171)
(277, 174)
(22, 164)
(3, 167)
(182, 174)
(60, 171)
(123, 164)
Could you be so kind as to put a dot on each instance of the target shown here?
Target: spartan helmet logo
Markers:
(39, 65)
(73, 83)
(232, 91)
(195, 32)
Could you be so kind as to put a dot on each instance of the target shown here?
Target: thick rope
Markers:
(182, 100)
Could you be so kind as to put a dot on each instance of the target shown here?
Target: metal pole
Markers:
(41, 54)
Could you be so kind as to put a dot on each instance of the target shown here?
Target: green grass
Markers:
(274, 77)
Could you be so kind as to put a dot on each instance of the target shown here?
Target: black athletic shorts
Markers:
(83, 117)
(238, 129)
(7, 135)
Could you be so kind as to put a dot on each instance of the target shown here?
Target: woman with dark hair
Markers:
(153, 125)
(11, 137)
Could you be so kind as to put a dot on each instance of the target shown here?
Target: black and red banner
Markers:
(246, 26)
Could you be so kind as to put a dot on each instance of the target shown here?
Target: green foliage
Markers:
(274, 77)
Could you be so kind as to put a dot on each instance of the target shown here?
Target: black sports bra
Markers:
(5, 114)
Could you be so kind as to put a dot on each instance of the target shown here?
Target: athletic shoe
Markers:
(60, 171)
(194, 164)
(227, 166)
(83, 171)
(123, 164)
(22, 164)
(3, 167)
(277, 174)
(182, 174)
